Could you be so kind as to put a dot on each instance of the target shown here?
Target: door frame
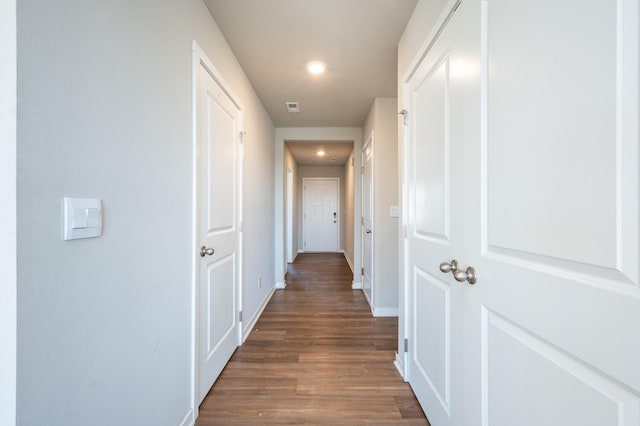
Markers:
(199, 58)
(368, 142)
(325, 134)
(289, 215)
(8, 220)
(316, 179)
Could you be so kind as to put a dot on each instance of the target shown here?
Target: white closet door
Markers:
(533, 181)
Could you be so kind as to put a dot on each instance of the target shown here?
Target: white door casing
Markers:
(321, 214)
(539, 184)
(367, 220)
(289, 216)
(218, 222)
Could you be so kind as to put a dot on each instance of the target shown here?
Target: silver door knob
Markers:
(368, 231)
(449, 267)
(206, 251)
(468, 275)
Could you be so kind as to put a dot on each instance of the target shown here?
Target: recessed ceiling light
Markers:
(320, 153)
(316, 67)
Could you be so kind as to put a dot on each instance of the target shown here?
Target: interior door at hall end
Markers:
(218, 214)
(321, 210)
(543, 195)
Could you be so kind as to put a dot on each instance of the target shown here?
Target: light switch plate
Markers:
(82, 218)
(394, 211)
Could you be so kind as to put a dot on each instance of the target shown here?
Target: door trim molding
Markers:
(200, 58)
(370, 141)
(8, 221)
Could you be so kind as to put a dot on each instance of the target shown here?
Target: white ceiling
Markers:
(357, 39)
(306, 152)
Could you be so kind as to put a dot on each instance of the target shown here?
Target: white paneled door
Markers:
(436, 203)
(218, 234)
(321, 211)
(524, 165)
(367, 219)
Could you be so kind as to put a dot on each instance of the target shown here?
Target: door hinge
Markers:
(362, 220)
(362, 170)
(406, 345)
(405, 231)
(361, 271)
(240, 317)
(240, 226)
(241, 136)
(405, 114)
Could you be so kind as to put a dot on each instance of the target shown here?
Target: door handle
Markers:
(368, 231)
(468, 275)
(449, 267)
(206, 251)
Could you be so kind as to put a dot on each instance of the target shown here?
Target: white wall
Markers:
(291, 164)
(320, 172)
(104, 102)
(411, 43)
(349, 182)
(318, 134)
(383, 121)
(7, 212)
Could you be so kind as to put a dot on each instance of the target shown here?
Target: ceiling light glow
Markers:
(320, 153)
(316, 67)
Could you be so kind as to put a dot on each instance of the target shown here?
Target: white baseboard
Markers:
(349, 262)
(366, 296)
(254, 319)
(356, 286)
(399, 363)
(188, 419)
(281, 285)
(385, 312)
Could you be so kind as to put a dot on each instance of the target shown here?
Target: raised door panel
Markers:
(559, 170)
(519, 364)
(431, 153)
(221, 154)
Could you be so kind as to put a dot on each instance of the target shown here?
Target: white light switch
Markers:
(93, 218)
(394, 211)
(82, 218)
(79, 218)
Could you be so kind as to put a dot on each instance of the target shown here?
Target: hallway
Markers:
(316, 356)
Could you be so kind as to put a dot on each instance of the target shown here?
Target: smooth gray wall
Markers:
(383, 121)
(104, 110)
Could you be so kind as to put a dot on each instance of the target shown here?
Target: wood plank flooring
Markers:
(316, 356)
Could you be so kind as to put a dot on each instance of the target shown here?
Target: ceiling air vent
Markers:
(293, 107)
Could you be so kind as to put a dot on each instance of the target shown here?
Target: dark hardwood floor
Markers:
(316, 356)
